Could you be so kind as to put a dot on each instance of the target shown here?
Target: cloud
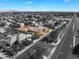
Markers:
(67, 0)
(29, 2)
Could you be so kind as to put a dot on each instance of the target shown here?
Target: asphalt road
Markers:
(64, 49)
(76, 30)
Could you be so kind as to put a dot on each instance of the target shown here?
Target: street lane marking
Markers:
(73, 26)
(74, 41)
(74, 34)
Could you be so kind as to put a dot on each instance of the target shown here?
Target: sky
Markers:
(39, 5)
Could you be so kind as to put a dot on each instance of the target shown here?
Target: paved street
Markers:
(76, 30)
(64, 50)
